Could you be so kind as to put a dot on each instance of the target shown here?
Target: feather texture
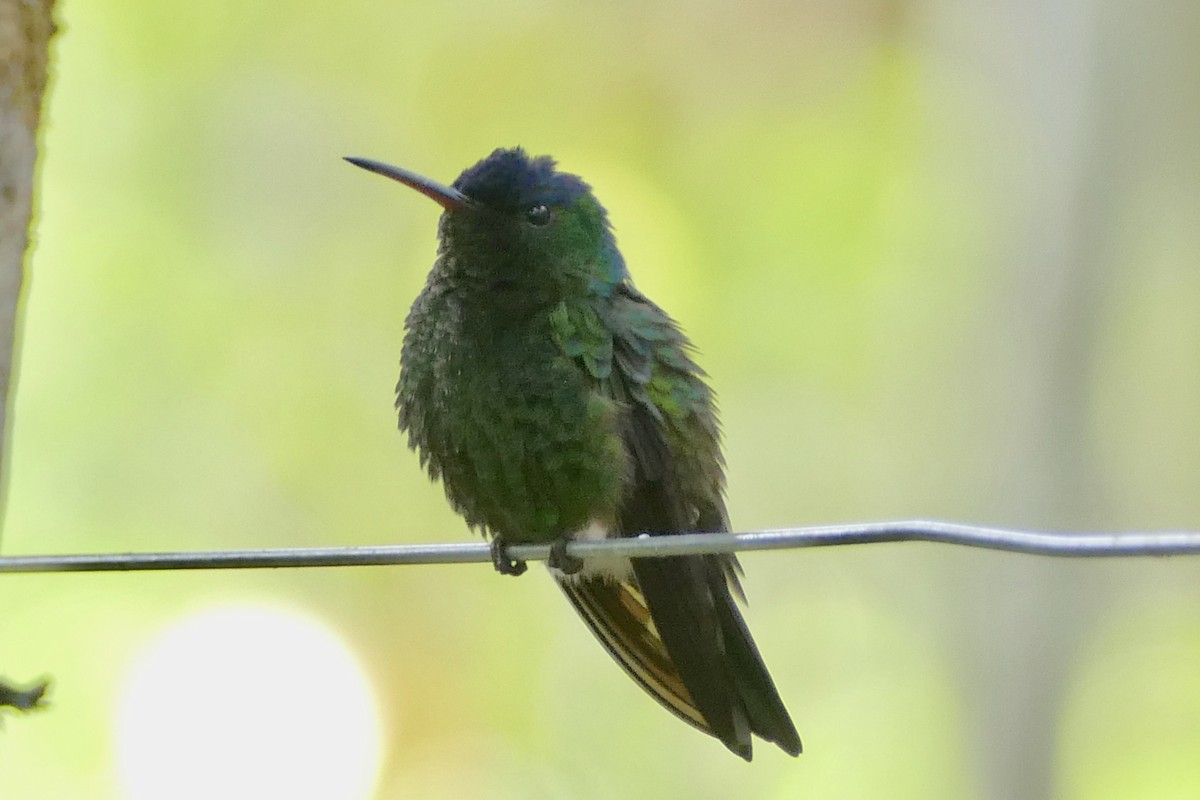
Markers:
(550, 396)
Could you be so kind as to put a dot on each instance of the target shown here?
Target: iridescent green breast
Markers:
(524, 441)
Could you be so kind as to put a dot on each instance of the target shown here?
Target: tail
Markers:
(768, 717)
(694, 612)
(674, 628)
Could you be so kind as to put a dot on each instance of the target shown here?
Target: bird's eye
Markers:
(538, 215)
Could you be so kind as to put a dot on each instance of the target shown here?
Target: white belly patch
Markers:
(617, 568)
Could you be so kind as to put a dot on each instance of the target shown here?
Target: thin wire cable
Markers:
(1045, 543)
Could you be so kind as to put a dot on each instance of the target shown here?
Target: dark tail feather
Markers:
(711, 647)
(675, 629)
(682, 606)
(768, 717)
(617, 613)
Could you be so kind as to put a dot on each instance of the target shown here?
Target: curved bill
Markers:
(447, 197)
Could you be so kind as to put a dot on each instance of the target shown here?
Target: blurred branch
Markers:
(1044, 543)
(25, 30)
(23, 699)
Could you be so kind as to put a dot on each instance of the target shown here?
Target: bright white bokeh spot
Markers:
(248, 701)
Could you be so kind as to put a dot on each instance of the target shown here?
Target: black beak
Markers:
(445, 196)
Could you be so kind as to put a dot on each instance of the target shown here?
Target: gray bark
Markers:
(25, 30)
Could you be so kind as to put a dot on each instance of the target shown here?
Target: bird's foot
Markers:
(503, 562)
(561, 560)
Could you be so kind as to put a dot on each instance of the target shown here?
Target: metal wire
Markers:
(1046, 543)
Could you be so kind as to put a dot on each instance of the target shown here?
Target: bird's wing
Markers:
(673, 626)
(617, 614)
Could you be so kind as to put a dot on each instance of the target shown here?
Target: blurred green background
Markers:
(940, 260)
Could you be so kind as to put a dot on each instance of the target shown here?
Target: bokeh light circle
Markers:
(248, 701)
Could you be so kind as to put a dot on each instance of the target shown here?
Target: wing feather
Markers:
(618, 615)
(672, 625)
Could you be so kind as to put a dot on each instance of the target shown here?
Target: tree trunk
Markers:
(25, 30)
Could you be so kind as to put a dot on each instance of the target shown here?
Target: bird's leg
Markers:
(505, 564)
(561, 560)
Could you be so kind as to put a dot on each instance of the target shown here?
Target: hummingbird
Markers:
(557, 403)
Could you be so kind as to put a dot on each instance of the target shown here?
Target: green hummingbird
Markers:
(556, 402)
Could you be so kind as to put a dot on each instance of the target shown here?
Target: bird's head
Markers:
(515, 222)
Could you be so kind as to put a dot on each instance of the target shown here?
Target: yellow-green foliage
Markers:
(931, 271)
